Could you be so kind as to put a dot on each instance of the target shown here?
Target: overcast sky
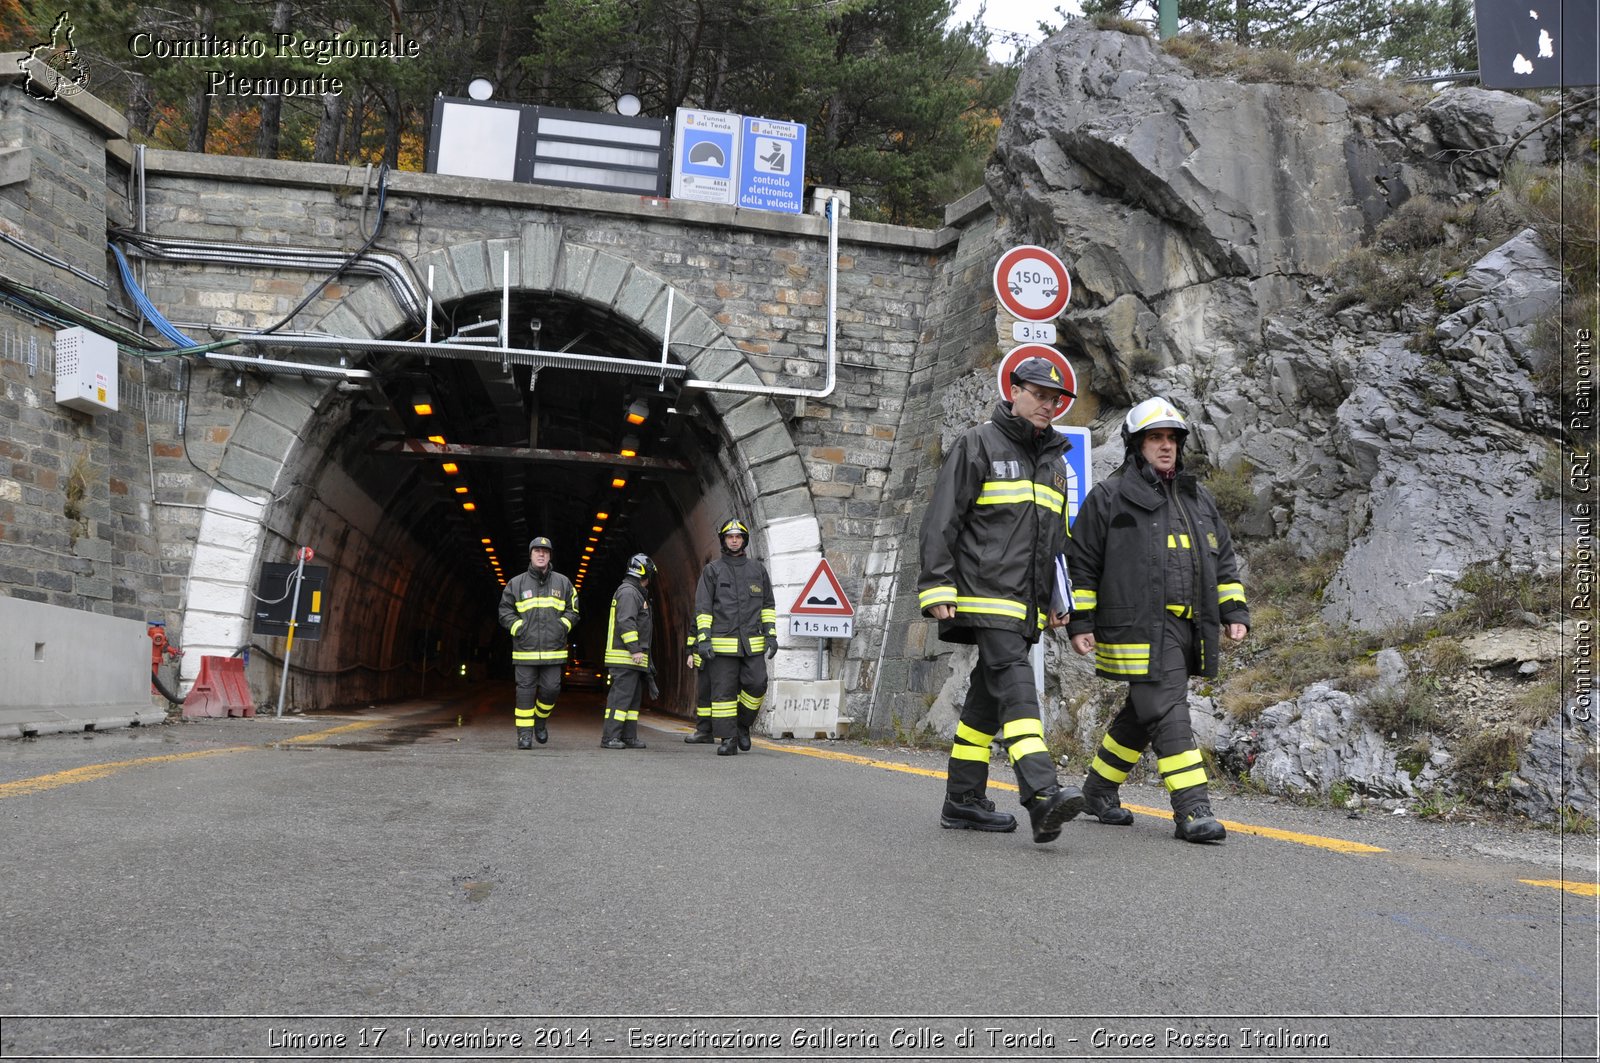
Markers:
(1008, 19)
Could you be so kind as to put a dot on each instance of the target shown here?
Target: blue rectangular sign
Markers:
(772, 166)
(1080, 469)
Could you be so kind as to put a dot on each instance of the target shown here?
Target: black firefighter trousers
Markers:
(1001, 701)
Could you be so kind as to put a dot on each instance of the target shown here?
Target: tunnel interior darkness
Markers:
(534, 452)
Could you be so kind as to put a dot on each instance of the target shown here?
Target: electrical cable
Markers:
(383, 193)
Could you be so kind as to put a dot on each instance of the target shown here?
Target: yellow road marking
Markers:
(1338, 845)
(90, 772)
(1582, 889)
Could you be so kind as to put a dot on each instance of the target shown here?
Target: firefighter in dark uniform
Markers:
(628, 655)
(702, 695)
(1155, 586)
(989, 541)
(736, 628)
(538, 607)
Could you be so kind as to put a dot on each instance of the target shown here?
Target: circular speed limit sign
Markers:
(1031, 283)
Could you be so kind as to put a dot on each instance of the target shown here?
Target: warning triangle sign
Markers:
(822, 595)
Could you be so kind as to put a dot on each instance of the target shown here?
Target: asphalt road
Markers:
(272, 889)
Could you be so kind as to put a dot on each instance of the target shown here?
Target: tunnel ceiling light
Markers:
(422, 404)
(450, 468)
(436, 439)
(461, 490)
(469, 506)
(596, 528)
(630, 446)
(486, 541)
(638, 412)
(601, 516)
(619, 481)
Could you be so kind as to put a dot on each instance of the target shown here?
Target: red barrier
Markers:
(220, 689)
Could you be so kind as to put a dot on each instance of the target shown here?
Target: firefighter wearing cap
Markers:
(989, 543)
(538, 607)
(628, 655)
(1155, 586)
(736, 629)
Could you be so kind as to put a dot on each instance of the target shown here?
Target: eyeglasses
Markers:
(1037, 396)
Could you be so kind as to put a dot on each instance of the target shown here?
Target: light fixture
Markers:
(461, 490)
(619, 481)
(450, 468)
(480, 88)
(469, 506)
(422, 404)
(486, 542)
(596, 527)
(436, 439)
(601, 515)
(628, 105)
(630, 446)
(638, 411)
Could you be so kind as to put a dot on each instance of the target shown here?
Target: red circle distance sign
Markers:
(1031, 283)
(1038, 350)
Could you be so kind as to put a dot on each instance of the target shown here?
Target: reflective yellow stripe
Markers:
(972, 735)
(1106, 771)
(1185, 779)
(769, 616)
(1023, 746)
(540, 656)
(1184, 611)
(962, 751)
(702, 622)
(1230, 592)
(524, 604)
(566, 623)
(1179, 541)
(1005, 492)
(723, 644)
(629, 637)
(936, 596)
(1049, 498)
(625, 657)
(1031, 725)
(1118, 750)
(1084, 599)
(523, 717)
(723, 710)
(1132, 658)
(991, 607)
(541, 709)
(516, 626)
(750, 701)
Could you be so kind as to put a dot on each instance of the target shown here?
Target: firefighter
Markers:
(1155, 586)
(628, 655)
(702, 696)
(538, 607)
(736, 627)
(989, 543)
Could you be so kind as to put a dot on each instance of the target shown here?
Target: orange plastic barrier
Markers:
(220, 689)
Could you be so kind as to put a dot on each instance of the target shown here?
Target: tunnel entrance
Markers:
(471, 458)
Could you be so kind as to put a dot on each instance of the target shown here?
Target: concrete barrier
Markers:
(220, 690)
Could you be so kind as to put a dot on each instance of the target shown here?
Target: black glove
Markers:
(705, 651)
(772, 646)
(655, 691)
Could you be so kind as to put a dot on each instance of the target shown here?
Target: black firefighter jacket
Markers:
(539, 611)
(629, 628)
(735, 612)
(1118, 559)
(996, 523)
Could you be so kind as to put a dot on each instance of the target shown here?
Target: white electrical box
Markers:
(86, 370)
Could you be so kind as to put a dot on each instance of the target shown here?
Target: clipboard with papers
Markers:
(1061, 586)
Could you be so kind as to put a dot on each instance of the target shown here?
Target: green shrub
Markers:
(1231, 489)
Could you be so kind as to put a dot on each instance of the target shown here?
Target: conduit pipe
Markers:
(832, 327)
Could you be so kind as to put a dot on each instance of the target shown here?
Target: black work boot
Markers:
(729, 747)
(633, 743)
(524, 738)
(1100, 801)
(701, 736)
(1050, 808)
(1197, 824)
(972, 811)
(541, 733)
(744, 739)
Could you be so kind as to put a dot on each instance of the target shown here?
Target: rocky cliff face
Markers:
(1201, 219)
(1205, 222)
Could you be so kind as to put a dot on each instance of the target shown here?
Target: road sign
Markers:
(705, 152)
(1080, 467)
(1017, 355)
(822, 609)
(1033, 332)
(1524, 45)
(1031, 283)
(772, 166)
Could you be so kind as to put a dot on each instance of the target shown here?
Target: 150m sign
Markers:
(1031, 283)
